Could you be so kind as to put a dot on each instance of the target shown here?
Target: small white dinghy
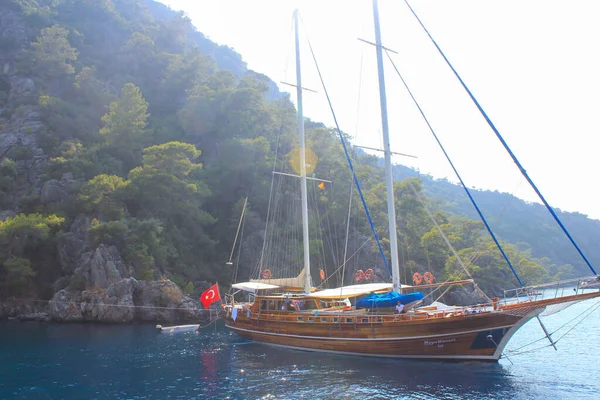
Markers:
(177, 328)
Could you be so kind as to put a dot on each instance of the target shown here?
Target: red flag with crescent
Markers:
(210, 296)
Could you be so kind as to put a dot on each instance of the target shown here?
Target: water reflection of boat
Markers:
(331, 377)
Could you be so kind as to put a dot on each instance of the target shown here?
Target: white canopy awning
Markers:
(253, 286)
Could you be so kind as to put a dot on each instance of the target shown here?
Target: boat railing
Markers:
(553, 290)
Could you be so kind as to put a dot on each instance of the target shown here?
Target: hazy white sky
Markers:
(533, 65)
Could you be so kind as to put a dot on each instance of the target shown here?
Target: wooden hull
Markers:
(480, 336)
(463, 338)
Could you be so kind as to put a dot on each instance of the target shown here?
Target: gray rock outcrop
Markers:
(115, 304)
(56, 191)
(20, 117)
(4, 215)
(125, 301)
(73, 244)
(109, 293)
(20, 132)
(13, 32)
(65, 306)
(102, 267)
(164, 301)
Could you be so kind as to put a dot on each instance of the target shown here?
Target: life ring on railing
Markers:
(322, 275)
(359, 275)
(428, 276)
(266, 274)
(417, 278)
(369, 274)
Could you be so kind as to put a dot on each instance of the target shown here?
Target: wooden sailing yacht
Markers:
(290, 313)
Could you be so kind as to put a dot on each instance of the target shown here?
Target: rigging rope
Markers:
(262, 252)
(593, 308)
(237, 232)
(501, 139)
(112, 305)
(347, 237)
(444, 237)
(321, 243)
(457, 174)
(235, 269)
(350, 258)
(339, 131)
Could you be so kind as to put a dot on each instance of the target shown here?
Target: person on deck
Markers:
(400, 308)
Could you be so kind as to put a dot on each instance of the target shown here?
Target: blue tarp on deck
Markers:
(387, 299)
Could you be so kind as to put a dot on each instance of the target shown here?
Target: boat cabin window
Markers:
(336, 319)
(268, 305)
(307, 305)
(285, 306)
(349, 320)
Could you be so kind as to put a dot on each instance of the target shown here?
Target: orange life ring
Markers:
(428, 276)
(322, 274)
(369, 274)
(359, 275)
(417, 278)
(266, 274)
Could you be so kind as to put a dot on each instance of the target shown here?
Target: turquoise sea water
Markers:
(86, 361)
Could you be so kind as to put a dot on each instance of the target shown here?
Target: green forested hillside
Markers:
(529, 225)
(121, 124)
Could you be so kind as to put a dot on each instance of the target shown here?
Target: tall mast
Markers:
(301, 144)
(388, 155)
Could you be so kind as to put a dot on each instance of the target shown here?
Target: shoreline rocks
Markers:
(125, 301)
(23, 310)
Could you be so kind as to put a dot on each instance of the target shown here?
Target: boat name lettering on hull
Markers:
(438, 343)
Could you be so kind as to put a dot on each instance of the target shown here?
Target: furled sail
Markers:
(288, 283)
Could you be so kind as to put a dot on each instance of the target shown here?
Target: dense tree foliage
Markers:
(20, 238)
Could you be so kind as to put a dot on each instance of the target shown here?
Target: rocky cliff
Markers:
(101, 289)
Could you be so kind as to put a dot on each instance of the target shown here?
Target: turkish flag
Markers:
(210, 296)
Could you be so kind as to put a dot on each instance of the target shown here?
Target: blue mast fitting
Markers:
(514, 158)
